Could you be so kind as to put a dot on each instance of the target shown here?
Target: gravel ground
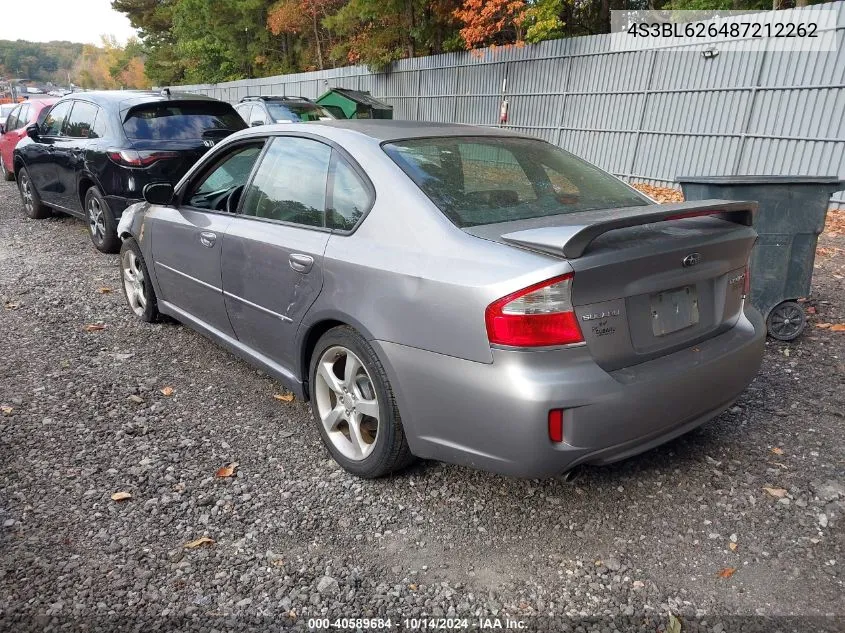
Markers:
(294, 537)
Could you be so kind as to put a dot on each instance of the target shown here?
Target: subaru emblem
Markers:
(692, 259)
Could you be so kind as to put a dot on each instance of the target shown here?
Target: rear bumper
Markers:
(118, 204)
(494, 416)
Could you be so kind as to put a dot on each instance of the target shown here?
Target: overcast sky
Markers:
(71, 20)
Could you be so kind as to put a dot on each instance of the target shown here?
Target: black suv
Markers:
(93, 152)
(261, 110)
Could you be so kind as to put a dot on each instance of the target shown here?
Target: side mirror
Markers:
(158, 193)
(32, 131)
(257, 123)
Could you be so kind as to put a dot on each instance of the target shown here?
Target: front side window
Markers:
(80, 123)
(56, 118)
(349, 197)
(25, 115)
(181, 121)
(290, 183)
(485, 180)
(221, 187)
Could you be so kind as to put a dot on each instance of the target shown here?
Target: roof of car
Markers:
(390, 130)
(128, 98)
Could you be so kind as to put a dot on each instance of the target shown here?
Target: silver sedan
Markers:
(453, 292)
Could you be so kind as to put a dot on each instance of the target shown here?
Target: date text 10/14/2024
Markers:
(415, 624)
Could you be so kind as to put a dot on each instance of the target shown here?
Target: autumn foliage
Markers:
(491, 22)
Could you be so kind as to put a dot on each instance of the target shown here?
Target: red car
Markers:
(13, 129)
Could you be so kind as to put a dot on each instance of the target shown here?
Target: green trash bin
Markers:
(790, 217)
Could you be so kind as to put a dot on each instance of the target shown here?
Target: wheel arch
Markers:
(85, 182)
(311, 333)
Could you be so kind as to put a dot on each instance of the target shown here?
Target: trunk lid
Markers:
(648, 280)
(171, 169)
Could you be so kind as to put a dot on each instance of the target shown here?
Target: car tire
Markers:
(32, 205)
(135, 280)
(102, 227)
(7, 175)
(379, 446)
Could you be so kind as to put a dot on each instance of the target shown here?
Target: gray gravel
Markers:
(295, 537)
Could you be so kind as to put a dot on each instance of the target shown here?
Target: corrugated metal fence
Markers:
(645, 115)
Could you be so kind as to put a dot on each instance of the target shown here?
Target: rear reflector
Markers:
(538, 316)
(556, 425)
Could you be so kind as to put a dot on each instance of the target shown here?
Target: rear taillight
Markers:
(537, 316)
(556, 425)
(134, 158)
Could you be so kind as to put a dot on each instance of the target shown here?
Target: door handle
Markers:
(207, 239)
(301, 263)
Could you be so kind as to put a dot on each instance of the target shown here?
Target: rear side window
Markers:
(290, 183)
(181, 121)
(12, 120)
(24, 114)
(80, 123)
(349, 196)
(56, 118)
(485, 180)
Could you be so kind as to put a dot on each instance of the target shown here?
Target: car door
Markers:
(186, 239)
(69, 152)
(273, 250)
(41, 158)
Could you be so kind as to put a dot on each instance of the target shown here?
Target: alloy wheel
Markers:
(26, 192)
(134, 282)
(347, 403)
(96, 222)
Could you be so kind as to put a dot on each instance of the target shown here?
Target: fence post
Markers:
(641, 122)
(755, 88)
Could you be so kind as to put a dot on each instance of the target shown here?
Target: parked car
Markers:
(95, 151)
(453, 292)
(263, 110)
(13, 129)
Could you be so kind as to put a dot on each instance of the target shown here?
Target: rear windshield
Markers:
(485, 180)
(297, 112)
(181, 121)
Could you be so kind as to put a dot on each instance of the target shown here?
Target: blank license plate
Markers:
(674, 310)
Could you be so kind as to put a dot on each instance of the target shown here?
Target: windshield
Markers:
(485, 180)
(297, 112)
(181, 121)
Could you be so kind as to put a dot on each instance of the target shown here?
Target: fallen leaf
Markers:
(104, 290)
(839, 327)
(227, 470)
(11, 306)
(284, 397)
(777, 451)
(121, 496)
(780, 493)
(727, 572)
(823, 326)
(732, 546)
(94, 327)
(6, 410)
(412, 587)
(674, 625)
(167, 391)
(203, 540)
(811, 310)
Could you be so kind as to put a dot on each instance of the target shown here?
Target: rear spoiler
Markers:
(572, 233)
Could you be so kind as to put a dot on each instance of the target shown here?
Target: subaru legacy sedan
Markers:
(453, 292)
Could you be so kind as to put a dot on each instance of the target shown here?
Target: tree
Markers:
(491, 22)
